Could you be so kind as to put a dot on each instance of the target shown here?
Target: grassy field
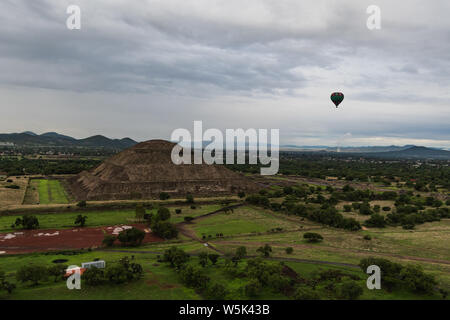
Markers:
(242, 220)
(51, 191)
(10, 196)
(102, 218)
(159, 280)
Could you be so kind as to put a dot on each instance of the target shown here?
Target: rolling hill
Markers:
(53, 139)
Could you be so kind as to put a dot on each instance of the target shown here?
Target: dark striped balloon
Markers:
(337, 98)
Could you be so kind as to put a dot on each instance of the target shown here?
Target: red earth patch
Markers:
(26, 241)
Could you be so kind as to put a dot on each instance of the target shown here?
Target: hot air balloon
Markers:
(337, 98)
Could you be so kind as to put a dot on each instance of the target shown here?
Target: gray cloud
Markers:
(161, 64)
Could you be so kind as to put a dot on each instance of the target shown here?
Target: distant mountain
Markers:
(345, 149)
(53, 139)
(415, 152)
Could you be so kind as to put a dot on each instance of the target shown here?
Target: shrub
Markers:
(289, 250)
(58, 271)
(265, 251)
(193, 277)
(131, 237)
(81, 204)
(349, 290)
(252, 288)
(176, 257)
(375, 221)
(94, 276)
(193, 207)
(189, 198)
(164, 196)
(139, 211)
(163, 214)
(27, 222)
(213, 258)
(241, 194)
(81, 220)
(116, 274)
(177, 211)
(347, 208)
(12, 186)
(164, 229)
(312, 237)
(386, 208)
(367, 237)
(203, 259)
(32, 273)
(241, 252)
(188, 219)
(306, 293)
(108, 240)
(216, 291)
(5, 285)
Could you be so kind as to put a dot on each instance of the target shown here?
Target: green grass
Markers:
(159, 280)
(101, 218)
(51, 191)
(243, 220)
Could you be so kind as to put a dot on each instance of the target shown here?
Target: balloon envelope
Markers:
(337, 98)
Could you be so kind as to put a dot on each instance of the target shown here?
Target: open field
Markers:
(9, 196)
(247, 225)
(102, 218)
(51, 191)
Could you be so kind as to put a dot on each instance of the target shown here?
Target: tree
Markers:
(364, 208)
(58, 271)
(306, 293)
(312, 237)
(164, 229)
(252, 288)
(116, 274)
(216, 291)
(163, 214)
(203, 259)
(241, 252)
(139, 212)
(31, 273)
(81, 204)
(188, 219)
(81, 220)
(6, 285)
(164, 196)
(176, 257)
(350, 290)
(109, 240)
(131, 237)
(193, 277)
(376, 220)
(289, 250)
(213, 258)
(27, 222)
(94, 276)
(241, 194)
(189, 198)
(347, 208)
(265, 251)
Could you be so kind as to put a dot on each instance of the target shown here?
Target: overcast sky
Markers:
(141, 69)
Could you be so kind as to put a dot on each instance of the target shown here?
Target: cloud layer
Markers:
(144, 68)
